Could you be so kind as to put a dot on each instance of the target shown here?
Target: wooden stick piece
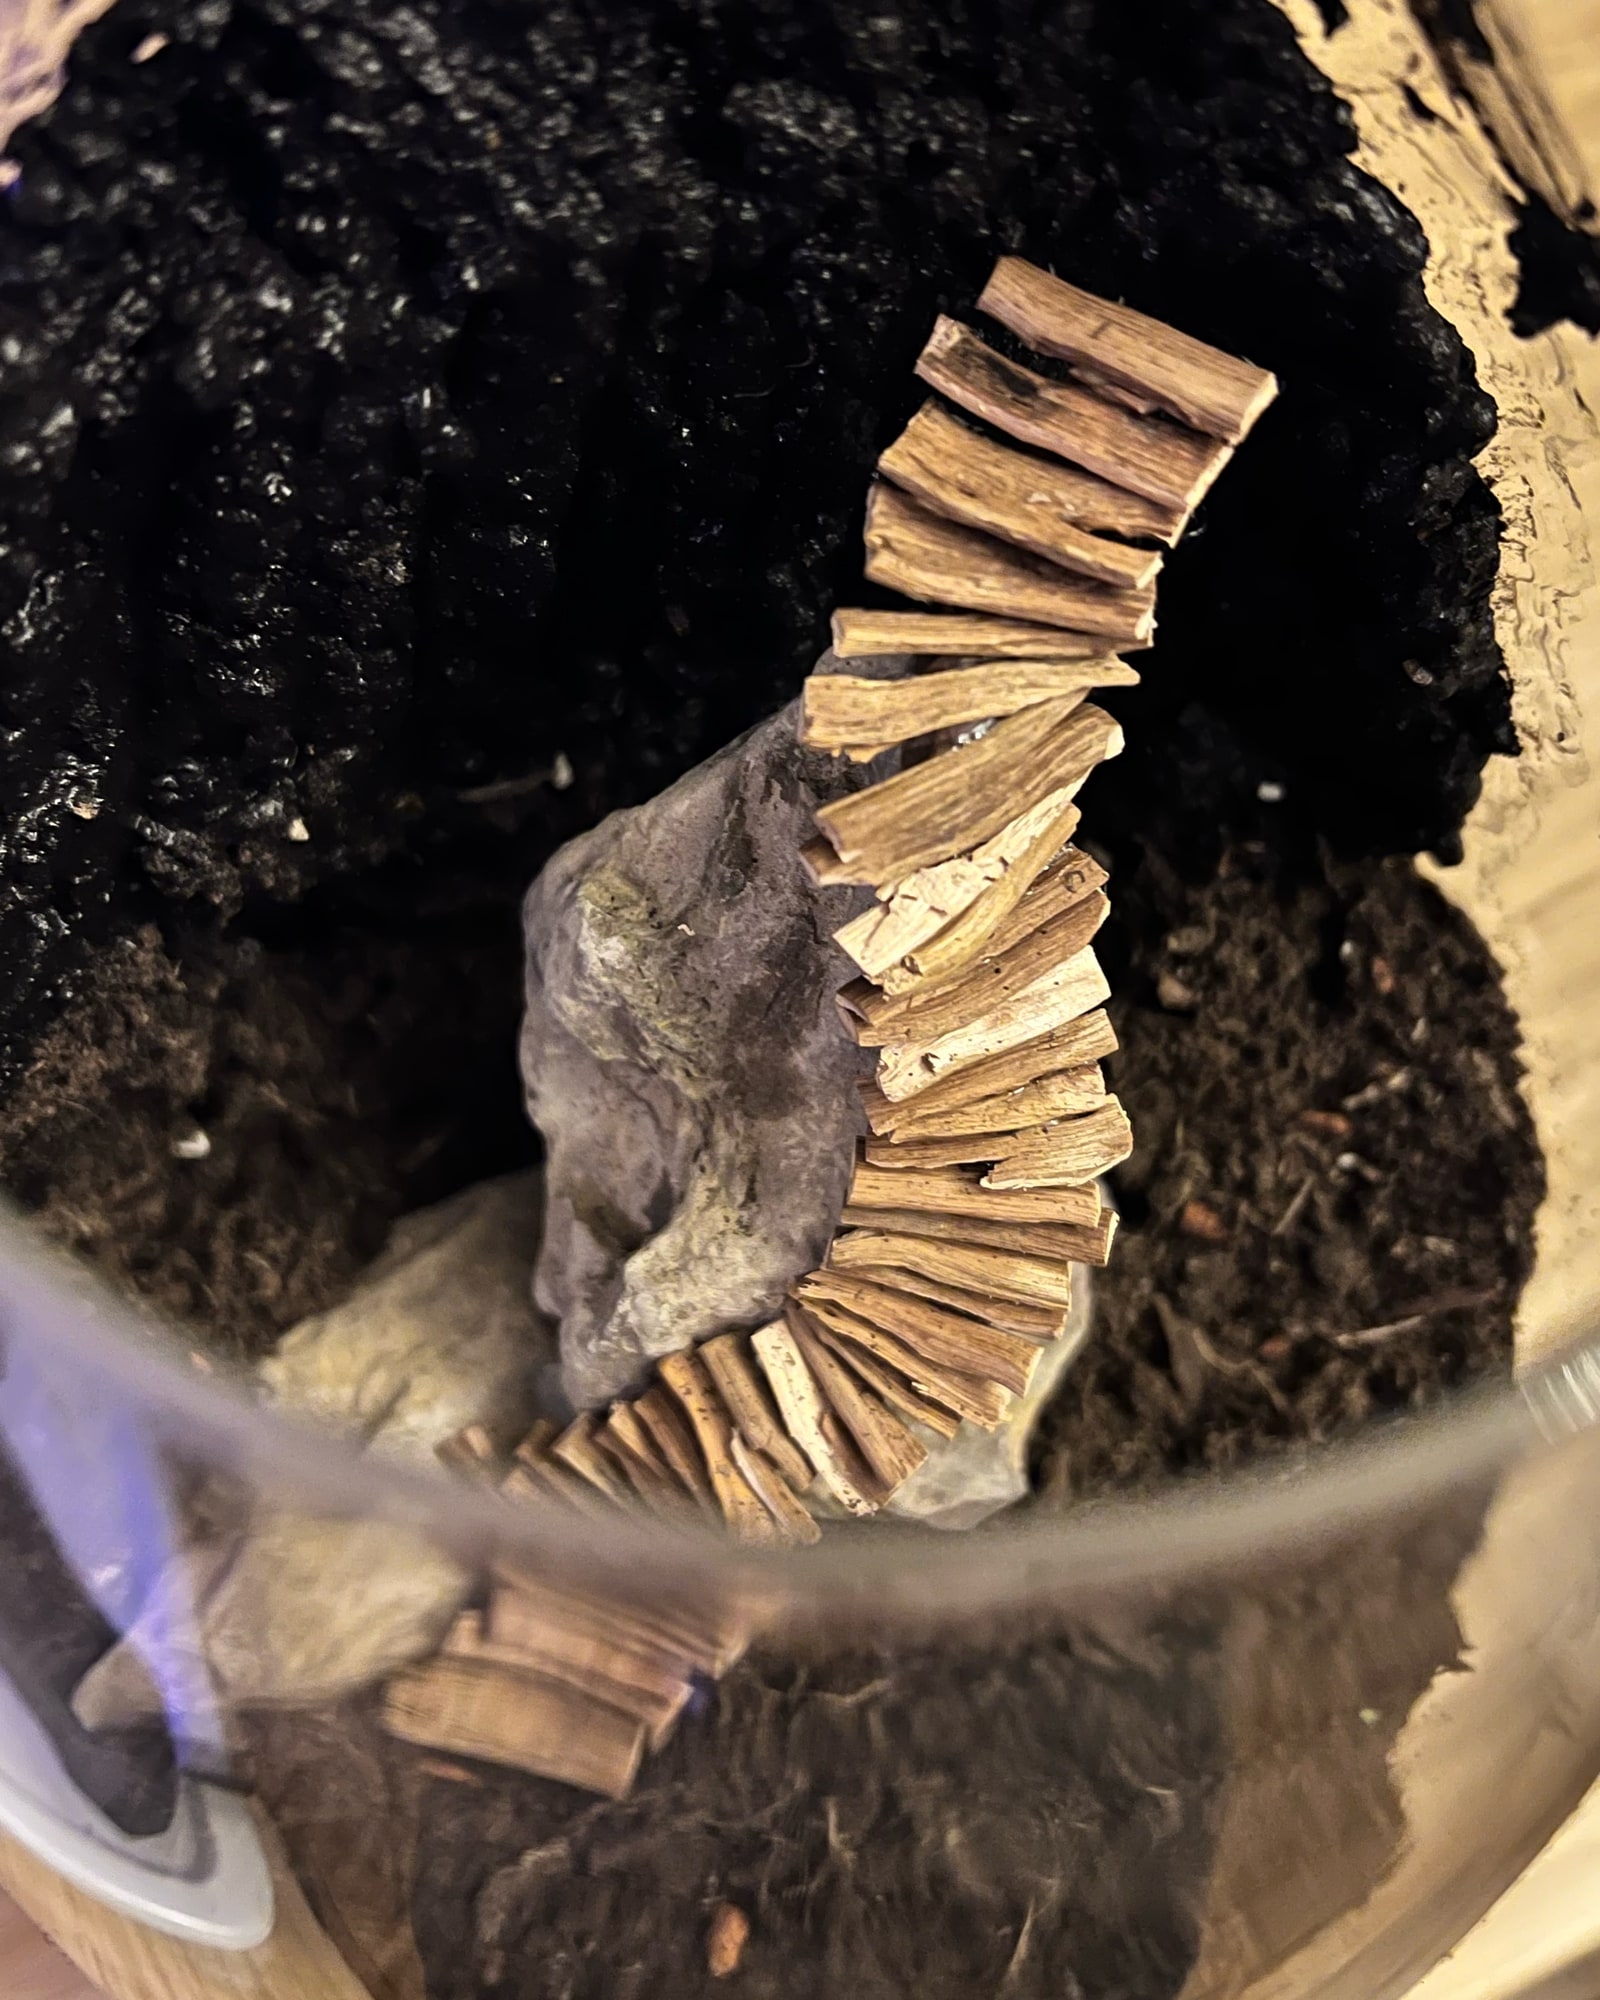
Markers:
(912, 549)
(840, 710)
(794, 1523)
(919, 907)
(886, 1384)
(729, 1362)
(925, 1014)
(651, 1690)
(1064, 1094)
(870, 635)
(1034, 502)
(741, 1505)
(576, 1449)
(1067, 1154)
(1069, 989)
(958, 1194)
(1002, 1274)
(674, 1440)
(1148, 455)
(966, 1397)
(627, 1427)
(471, 1450)
(525, 1608)
(799, 1399)
(971, 1346)
(927, 1155)
(962, 797)
(892, 1451)
(1066, 879)
(472, 1708)
(535, 1475)
(1084, 1039)
(1015, 1315)
(1075, 1243)
(1198, 384)
(972, 934)
(630, 1475)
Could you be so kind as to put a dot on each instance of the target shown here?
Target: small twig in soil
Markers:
(1461, 1299)
(1379, 1088)
(1291, 1215)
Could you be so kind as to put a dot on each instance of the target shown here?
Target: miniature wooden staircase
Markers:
(977, 1191)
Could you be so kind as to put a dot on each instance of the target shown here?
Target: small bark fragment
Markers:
(741, 1506)
(964, 796)
(1070, 1242)
(1067, 1154)
(726, 1940)
(1148, 455)
(795, 1390)
(470, 1708)
(1201, 1221)
(972, 1346)
(731, 1366)
(1068, 991)
(1085, 1039)
(1038, 504)
(843, 710)
(892, 1451)
(1198, 384)
(1003, 1274)
(873, 635)
(919, 907)
(914, 550)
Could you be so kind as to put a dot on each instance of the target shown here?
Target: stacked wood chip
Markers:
(978, 1190)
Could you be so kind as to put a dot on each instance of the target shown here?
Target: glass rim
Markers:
(1279, 1506)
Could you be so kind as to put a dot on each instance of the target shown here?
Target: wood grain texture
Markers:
(1148, 455)
(1198, 384)
(1035, 502)
(841, 709)
(914, 550)
(130, 1962)
(876, 635)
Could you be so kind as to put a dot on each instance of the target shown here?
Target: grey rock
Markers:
(978, 1473)
(683, 1058)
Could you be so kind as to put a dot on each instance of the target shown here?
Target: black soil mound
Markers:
(397, 401)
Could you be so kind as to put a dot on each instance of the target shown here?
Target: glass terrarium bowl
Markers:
(1286, 1731)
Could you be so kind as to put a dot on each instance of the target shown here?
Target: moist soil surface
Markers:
(1328, 1218)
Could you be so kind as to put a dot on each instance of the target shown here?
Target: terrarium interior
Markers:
(425, 431)
(428, 434)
